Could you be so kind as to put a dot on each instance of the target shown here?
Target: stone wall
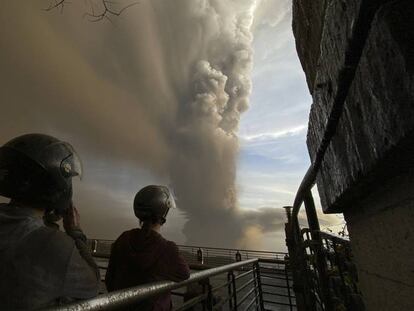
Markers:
(308, 24)
(378, 112)
(367, 171)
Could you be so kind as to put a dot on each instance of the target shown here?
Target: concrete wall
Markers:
(367, 172)
(382, 235)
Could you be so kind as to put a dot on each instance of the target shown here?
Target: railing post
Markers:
(229, 290)
(238, 256)
(94, 246)
(259, 285)
(338, 263)
(208, 303)
(200, 256)
(288, 285)
(255, 287)
(297, 262)
(233, 285)
(313, 223)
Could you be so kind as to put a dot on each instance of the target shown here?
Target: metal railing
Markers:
(241, 285)
(214, 256)
(102, 248)
(324, 275)
(198, 257)
(270, 276)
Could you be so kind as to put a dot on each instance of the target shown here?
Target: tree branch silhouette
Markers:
(103, 10)
(56, 4)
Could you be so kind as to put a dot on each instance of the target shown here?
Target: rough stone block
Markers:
(337, 32)
(377, 126)
(308, 16)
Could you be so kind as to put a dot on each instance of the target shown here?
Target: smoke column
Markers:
(205, 145)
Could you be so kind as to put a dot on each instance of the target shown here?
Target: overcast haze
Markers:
(207, 97)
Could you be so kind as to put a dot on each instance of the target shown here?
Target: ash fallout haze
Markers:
(156, 95)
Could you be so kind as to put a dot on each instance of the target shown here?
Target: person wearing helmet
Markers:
(142, 255)
(41, 266)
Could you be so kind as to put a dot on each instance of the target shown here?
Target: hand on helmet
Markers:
(71, 223)
(50, 219)
(71, 219)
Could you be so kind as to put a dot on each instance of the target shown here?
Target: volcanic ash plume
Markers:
(205, 147)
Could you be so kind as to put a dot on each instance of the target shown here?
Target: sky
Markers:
(273, 155)
(205, 96)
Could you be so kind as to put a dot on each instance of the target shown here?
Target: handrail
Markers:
(120, 299)
(231, 249)
(211, 256)
(211, 248)
(326, 235)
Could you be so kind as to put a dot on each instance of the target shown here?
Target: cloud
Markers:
(268, 219)
(265, 137)
(270, 13)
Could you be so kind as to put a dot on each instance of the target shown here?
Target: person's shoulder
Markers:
(170, 245)
(127, 237)
(45, 243)
(56, 239)
(128, 234)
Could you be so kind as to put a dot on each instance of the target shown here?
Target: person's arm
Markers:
(71, 224)
(111, 271)
(175, 268)
(81, 280)
(82, 277)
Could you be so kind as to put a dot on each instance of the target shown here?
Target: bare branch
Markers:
(107, 11)
(92, 16)
(56, 5)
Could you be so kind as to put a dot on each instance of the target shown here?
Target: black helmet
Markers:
(38, 169)
(152, 203)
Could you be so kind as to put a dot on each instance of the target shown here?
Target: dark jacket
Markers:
(140, 257)
(40, 266)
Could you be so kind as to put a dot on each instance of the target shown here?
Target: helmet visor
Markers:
(172, 197)
(71, 165)
(172, 203)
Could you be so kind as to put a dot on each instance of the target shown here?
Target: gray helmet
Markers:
(152, 203)
(38, 169)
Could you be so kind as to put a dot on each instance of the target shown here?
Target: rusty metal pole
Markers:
(297, 262)
(314, 227)
(313, 221)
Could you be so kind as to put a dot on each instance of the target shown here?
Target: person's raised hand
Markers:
(71, 219)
